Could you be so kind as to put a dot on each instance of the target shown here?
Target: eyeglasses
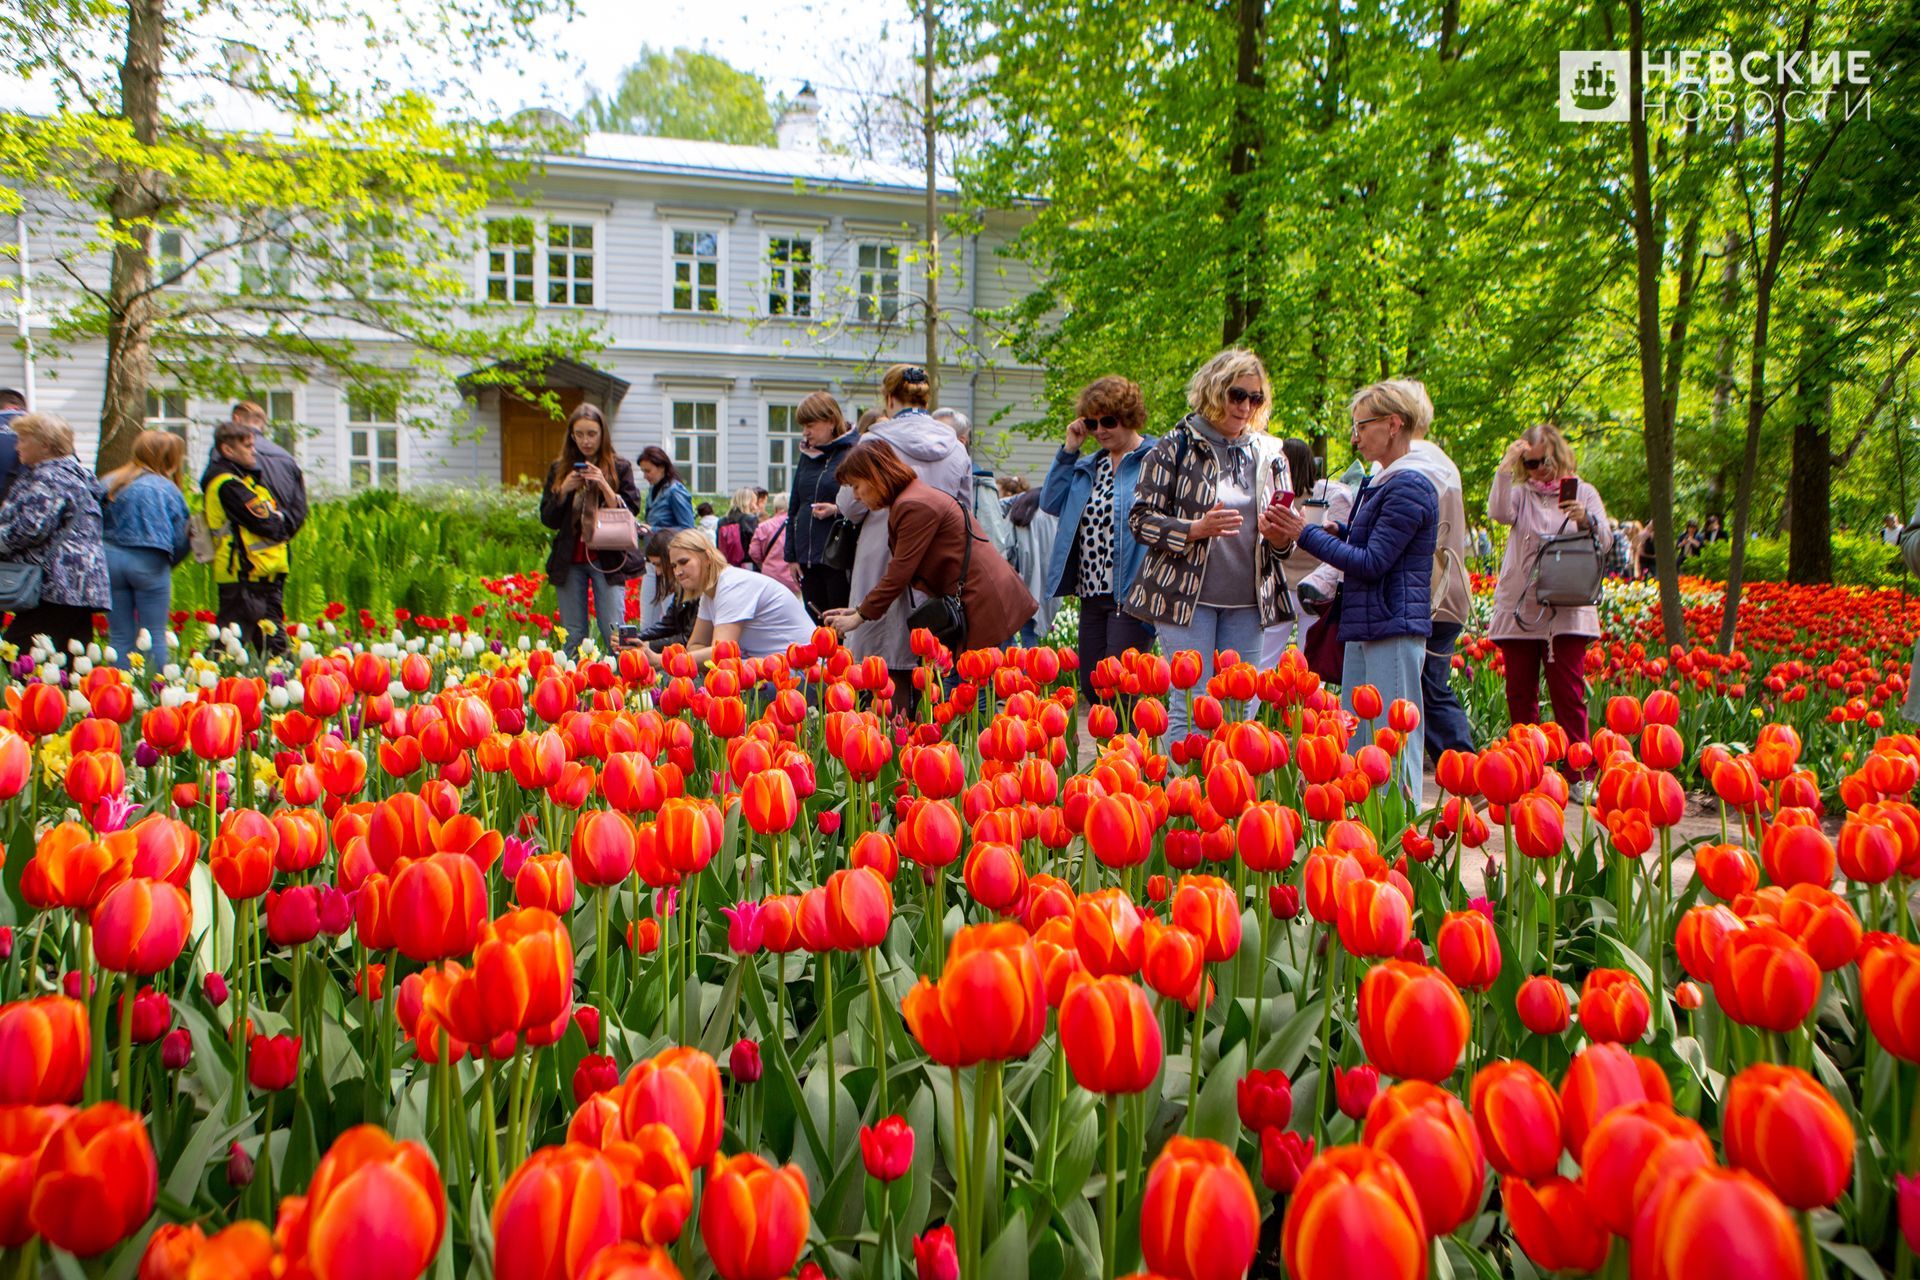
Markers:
(1106, 423)
(1240, 395)
(1378, 417)
(1533, 464)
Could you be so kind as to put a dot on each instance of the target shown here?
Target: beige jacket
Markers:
(1452, 592)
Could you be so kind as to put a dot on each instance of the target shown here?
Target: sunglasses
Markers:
(1240, 395)
(1107, 423)
(1533, 464)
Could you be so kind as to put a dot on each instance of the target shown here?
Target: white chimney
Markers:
(799, 126)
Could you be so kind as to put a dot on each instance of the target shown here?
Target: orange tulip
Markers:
(1174, 963)
(43, 1051)
(96, 1180)
(1198, 1216)
(754, 1218)
(1631, 1153)
(1426, 1131)
(1206, 907)
(1765, 979)
(656, 1184)
(930, 833)
(70, 869)
(1119, 831)
(242, 864)
(141, 926)
(437, 905)
(1797, 853)
(1711, 1221)
(632, 1262)
(859, 908)
(545, 880)
(768, 801)
(680, 1088)
(1821, 921)
(1110, 1035)
(1107, 933)
(602, 849)
(995, 875)
(1614, 1007)
(1600, 1078)
(522, 975)
(555, 1213)
(1468, 950)
(1889, 988)
(1555, 1225)
(1267, 837)
(1413, 1023)
(23, 1134)
(1542, 1005)
(1779, 1123)
(1726, 870)
(1354, 1213)
(690, 832)
(1517, 1114)
(1698, 937)
(375, 1209)
(989, 1004)
(213, 730)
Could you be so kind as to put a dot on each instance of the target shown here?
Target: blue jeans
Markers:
(1212, 628)
(141, 579)
(1393, 667)
(1448, 728)
(609, 604)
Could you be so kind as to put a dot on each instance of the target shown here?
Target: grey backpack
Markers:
(1568, 570)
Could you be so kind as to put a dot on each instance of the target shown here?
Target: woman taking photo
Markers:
(145, 526)
(1527, 494)
(931, 450)
(587, 478)
(934, 547)
(51, 518)
(811, 512)
(1385, 553)
(1310, 583)
(1209, 581)
(1095, 555)
(749, 609)
(669, 509)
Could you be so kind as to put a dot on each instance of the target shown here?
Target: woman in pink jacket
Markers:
(769, 546)
(1532, 636)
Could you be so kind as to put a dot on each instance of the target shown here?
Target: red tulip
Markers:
(1468, 950)
(1600, 1078)
(1198, 1216)
(1713, 1220)
(43, 1051)
(1780, 1124)
(754, 1217)
(887, 1149)
(1354, 1213)
(1426, 1131)
(1554, 1224)
(555, 1213)
(95, 1182)
(1630, 1154)
(1517, 1114)
(375, 1209)
(1614, 1007)
(1413, 1023)
(1765, 979)
(1109, 1034)
(1543, 1006)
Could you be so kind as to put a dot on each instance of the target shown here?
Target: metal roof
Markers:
(754, 164)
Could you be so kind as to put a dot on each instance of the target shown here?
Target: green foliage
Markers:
(685, 94)
(1858, 561)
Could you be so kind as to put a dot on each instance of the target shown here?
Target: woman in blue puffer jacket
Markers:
(1385, 551)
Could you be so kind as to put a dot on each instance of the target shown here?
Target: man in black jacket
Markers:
(250, 533)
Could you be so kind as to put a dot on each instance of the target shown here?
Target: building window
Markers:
(790, 275)
(783, 445)
(879, 284)
(283, 418)
(510, 260)
(373, 443)
(170, 254)
(375, 256)
(167, 411)
(696, 270)
(696, 444)
(570, 264)
(266, 266)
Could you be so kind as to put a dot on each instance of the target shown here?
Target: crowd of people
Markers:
(73, 544)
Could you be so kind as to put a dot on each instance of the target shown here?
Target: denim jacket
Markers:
(51, 517)
(1068, 487)
(149, 513)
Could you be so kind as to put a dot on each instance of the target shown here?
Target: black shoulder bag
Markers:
(946, 616)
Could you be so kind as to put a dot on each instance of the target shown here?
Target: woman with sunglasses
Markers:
(1095, 555)
(1210, 581)
(1537, 493)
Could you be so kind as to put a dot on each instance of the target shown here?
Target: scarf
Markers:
(1239, 451)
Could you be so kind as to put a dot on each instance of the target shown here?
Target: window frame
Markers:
(768, 406)
(861, 295)
(541, 281)
(768, 268)
(669, 228)
(671, 436)
(373, 427)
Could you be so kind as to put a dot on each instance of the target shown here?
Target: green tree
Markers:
(685, 94)
(339, 224)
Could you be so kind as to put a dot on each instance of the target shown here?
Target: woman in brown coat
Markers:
(928, 537)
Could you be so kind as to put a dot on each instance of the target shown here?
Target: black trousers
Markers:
(823, 587)
(251, 603)
(59, 623)
(1106, 632)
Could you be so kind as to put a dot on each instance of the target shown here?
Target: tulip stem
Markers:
(983, 1086)
(126, 1042)
(1816, 1267)
(1260, 969)
(1193, 1076)
(492, 1115)
(825, 959)
(962, 1178)
(514, 1087)
(1110, 1203)
(879, 1037)
(1326, 1040)
(600, 947)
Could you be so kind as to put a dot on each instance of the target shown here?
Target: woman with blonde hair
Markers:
(51, 518)
(1211, 579)
(145, 526)
(740, 606)
(1537, 492)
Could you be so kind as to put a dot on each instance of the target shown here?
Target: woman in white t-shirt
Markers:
(752, 610)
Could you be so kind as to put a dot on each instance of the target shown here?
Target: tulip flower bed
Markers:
(439, 958)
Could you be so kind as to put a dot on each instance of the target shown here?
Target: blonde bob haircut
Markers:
(1405, 398)
(702, 548)
(1207, 389)
(1559, 452)
(49, 431)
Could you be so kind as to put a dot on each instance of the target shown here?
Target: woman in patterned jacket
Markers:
(1211, 579)
(51, 518)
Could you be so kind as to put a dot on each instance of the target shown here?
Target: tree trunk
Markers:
(1657, 430)
(131, 206)
(1433, 201)
(1810, 536)
(930, 130)
(1246, 276)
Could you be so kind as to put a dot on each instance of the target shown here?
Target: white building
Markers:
(728, 283)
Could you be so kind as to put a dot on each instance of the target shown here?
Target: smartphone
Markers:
(628, 636)
(1569, 488)
(1284, 498)
(579, 466)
